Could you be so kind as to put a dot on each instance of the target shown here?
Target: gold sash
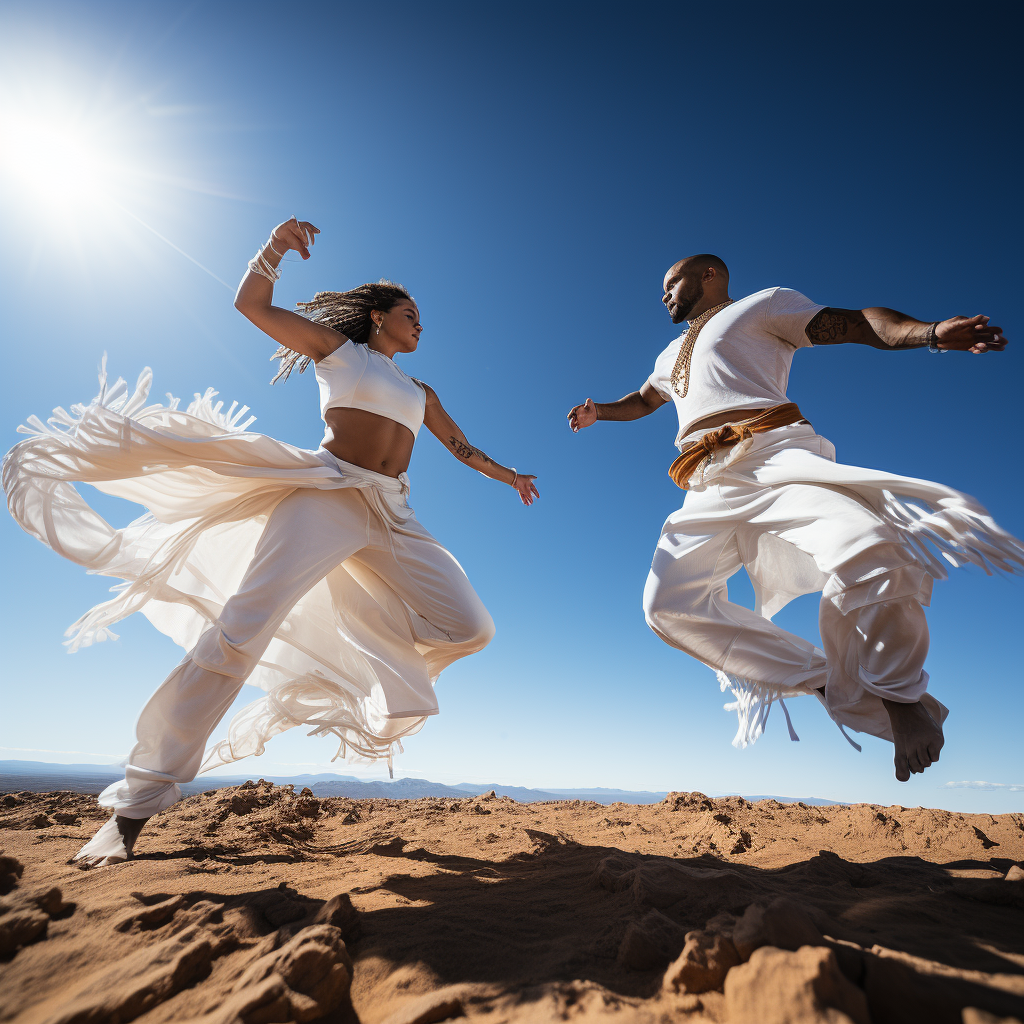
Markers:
(728, 435)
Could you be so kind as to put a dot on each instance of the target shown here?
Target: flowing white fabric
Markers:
(335, 662)
(778, 505)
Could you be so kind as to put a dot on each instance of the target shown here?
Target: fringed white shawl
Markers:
(209, 485)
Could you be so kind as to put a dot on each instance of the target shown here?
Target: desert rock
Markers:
(778, 986)
(783, 924)
(651, 942)
(703, 964)
(303, 980)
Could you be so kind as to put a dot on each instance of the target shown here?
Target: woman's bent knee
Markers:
(471, 628)
(480, 630)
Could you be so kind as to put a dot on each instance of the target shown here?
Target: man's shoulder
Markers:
(763, 296)
(776, 301)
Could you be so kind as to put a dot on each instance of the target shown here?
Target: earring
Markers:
(378, 326)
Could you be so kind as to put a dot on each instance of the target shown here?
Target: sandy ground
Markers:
(259, 904)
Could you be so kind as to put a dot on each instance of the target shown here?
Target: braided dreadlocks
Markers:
(348, 313)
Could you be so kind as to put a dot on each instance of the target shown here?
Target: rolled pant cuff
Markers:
(157, 797)
(901, 693)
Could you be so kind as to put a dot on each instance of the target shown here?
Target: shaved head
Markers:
(700, 263)
(694, 284)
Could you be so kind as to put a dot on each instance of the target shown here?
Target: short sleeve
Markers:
(788, 315)
(342, 354)
(658, 384)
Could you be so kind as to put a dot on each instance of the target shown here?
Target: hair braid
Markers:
(348, 313)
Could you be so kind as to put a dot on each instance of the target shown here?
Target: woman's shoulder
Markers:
(348, 353)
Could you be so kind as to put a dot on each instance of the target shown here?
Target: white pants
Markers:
(793, 538)
(308, 535)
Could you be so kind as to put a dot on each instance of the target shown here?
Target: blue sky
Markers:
(529, 172)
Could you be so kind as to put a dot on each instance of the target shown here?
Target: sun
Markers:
(92, 169)
(57, 155)
(58, 163)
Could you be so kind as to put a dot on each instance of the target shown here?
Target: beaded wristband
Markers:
(932, 344)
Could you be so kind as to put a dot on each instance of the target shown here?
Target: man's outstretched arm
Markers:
(889, 329)
(632, 407)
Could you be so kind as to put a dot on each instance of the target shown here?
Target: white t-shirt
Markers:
(741, 359)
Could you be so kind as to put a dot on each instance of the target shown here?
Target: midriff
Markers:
(368, 440)
(730, 416)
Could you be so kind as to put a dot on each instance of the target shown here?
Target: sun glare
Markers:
(95, 164)
(59, 163)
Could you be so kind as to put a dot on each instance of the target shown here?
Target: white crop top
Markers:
(359, 377)
(741, 358)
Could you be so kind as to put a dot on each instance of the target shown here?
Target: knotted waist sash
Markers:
(731, 434)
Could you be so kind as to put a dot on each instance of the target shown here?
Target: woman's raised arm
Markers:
(254, 298)
(447, 431)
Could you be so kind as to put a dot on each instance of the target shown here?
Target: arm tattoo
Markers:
(878, 327)
(828, 328)
(466, 451)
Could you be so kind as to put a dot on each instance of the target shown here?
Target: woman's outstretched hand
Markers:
(295, 234)
(527, 489)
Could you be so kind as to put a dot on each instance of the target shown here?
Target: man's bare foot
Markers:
(916, 735)
(114, 842)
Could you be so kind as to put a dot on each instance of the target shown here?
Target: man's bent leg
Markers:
(876, 651)
(872, 622)
(686, 602)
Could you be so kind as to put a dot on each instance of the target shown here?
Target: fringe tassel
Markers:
(116, 398)
(310, 700)
(953, 534)
(753, 704)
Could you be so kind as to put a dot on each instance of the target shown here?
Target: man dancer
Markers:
(764, 493)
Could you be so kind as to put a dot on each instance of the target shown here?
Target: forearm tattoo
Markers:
(828, 328)
(877, 327)
(465, 450)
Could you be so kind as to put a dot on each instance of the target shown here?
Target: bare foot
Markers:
(916, 735)
(114, 842)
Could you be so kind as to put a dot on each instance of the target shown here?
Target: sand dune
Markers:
(258, 904)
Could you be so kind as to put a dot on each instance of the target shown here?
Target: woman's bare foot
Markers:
(916, 735)
(114, 842)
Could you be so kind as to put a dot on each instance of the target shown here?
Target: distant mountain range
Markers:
(42, 776)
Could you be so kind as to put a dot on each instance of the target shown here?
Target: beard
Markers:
(687, 303)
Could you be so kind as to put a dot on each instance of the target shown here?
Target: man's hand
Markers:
(581, 416)
(969, 334)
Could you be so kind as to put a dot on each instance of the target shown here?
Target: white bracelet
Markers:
(270, 242)
(516, 477)
(259, 264)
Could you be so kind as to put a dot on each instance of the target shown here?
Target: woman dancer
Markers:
(303, 573)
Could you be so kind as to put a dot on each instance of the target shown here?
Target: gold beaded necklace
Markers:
(682, 368)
